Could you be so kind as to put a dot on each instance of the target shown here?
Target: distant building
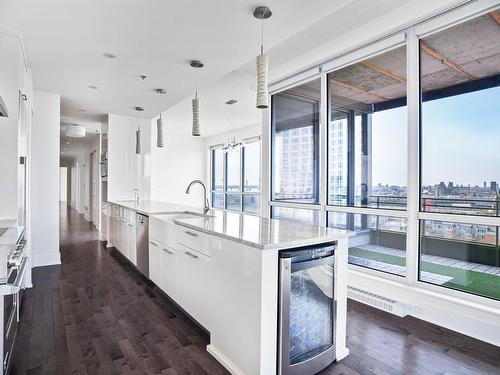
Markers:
(493, 186)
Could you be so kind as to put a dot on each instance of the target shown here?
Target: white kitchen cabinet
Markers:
(169, 260)
(117, 223)
(194, 284)
(124, 238)
(155, 262)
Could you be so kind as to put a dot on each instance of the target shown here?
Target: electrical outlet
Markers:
(216, 244)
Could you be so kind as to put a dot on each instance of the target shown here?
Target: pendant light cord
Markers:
(196, 84)
(261, 36)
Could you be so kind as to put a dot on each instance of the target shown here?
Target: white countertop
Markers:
(262, 233)
(148, 207)
(12, 235)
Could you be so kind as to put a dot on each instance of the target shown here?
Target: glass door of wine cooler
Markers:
(307, 310)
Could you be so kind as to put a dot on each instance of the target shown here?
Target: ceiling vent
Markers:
(76, 131)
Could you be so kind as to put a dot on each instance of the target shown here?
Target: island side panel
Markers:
(340, 291)
(243, 308)
(269, 312)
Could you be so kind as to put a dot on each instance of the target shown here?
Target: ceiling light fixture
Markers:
(139, 109)
(93, 87)
(233, 143)
(75, 131)
(196, 102)
(160, 124)
(262, 60)
(109, 55)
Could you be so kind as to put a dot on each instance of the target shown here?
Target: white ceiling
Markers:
(65, 40)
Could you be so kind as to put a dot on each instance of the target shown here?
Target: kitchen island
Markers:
(223, 269)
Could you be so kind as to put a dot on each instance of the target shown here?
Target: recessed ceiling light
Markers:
(109, 55)
(93, 87)
(143, 77)
(62, 152)
(67, 143)
(139, 109)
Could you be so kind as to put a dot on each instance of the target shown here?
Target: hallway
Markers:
(95, 315)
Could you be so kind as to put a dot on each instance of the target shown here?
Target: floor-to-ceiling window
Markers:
(367, 158)
(295, 150)
(235, 177)
(460, 157)
(417, 183)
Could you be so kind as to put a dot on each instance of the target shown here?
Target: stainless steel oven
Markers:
(10, 301)
(307, 310)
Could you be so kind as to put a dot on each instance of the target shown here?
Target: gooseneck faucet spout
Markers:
(206, 206)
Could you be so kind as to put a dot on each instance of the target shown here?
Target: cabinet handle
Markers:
(191, 234)
(168, 251)
(153, 243)
(191, 255)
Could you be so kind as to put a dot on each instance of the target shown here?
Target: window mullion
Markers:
(413, 157)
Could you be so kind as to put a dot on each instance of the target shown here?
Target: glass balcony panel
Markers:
(379, 243)
(299, 214)
(460, 256)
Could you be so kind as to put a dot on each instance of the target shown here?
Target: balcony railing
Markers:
(482, 207)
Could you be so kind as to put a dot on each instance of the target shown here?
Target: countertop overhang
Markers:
(262, 233)
(12, 235)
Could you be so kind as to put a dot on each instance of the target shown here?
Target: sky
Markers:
(460, 141)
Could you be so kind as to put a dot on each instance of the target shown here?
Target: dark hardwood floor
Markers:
(95, 315)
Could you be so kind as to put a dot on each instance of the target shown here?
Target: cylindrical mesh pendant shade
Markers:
(262, 94)
(159, 132)
(138, 146)
(196, 117)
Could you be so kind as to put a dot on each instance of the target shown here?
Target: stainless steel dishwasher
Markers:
(142, 238)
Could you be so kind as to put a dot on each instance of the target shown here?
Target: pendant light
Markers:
(233, 143)
(160, 124)
(138, 145)
(196, 102)
(262, 13)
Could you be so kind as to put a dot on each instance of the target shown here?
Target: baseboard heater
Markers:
(379, 302)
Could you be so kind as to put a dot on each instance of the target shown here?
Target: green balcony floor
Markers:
(483, 284)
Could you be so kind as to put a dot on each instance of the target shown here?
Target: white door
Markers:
(63, 184)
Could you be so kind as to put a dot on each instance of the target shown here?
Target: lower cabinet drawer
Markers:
(192, 239)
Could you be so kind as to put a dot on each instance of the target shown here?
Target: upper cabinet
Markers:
(17, 94)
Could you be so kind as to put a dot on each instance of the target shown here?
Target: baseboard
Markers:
(47, 259)
(469, 318)
(221, 358)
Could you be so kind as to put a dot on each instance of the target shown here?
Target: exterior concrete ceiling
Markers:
(468, 51)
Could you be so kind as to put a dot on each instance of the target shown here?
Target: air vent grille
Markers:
(379, 302)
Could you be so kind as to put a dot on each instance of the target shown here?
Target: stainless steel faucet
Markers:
(206, 206)
(136, 196)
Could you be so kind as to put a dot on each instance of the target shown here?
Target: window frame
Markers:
(410, 36)
(241, 192)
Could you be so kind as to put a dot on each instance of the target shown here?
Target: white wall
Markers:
(63, 184)
(173, 167)
(45, 179)
(126, 169)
